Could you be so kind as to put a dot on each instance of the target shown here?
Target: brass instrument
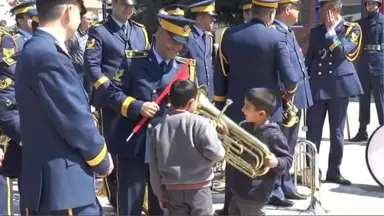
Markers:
(4, 139)
(306, 165)
(236, 141)
(96, 117)
(290, 114)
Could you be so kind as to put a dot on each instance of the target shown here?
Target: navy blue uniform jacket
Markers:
(329, 61)
(9, 118)
(252, 55)
(260, 188)
(62, 148)
(141, 80)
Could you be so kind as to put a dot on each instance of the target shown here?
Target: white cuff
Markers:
(331, 32)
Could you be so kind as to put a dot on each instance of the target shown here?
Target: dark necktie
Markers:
(163, 66)
(124, 28)
(292, 32)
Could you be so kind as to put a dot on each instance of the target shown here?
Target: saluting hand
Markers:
(329, 20)
(149, 109)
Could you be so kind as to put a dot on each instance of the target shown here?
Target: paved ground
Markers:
(364, 197)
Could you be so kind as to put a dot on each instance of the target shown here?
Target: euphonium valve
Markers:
(244, 152)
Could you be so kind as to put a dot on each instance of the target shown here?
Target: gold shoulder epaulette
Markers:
(184, 60)
(98, 24)
(209, 33)
(138, 24)
(273, 26)
(135, 54)
(9, 61)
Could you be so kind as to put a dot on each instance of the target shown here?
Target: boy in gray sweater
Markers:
(184, 147)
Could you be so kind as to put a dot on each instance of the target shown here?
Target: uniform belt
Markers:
(371, 47)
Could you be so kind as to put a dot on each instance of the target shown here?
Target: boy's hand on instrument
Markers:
(149, 109)
(271, 161)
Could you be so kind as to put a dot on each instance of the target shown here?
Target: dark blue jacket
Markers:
(62, 148)
(260, 188)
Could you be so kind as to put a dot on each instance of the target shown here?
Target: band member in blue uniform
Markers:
(246, 8)
(264, 61)
(24, 13)
(104, 54)
(286, 16)
(62, 148)
(370, 67)
(10, 126)
(132, 93)
(333, 46)
(200, 44)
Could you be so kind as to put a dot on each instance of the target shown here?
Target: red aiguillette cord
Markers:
(179, 75)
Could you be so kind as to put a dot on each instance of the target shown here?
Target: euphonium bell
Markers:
(244, 152)
(290, 114)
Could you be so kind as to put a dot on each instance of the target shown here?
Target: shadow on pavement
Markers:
(361, 190)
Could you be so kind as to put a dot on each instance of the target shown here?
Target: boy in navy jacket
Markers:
(250, 195)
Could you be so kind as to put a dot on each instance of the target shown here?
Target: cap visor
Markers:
(178, 38)
(213, 13)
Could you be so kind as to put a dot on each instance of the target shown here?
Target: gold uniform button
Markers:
(330, 71)
(149, 126)
(330, 63)
(154, 91)
(330, 55)
(319, 73)
(169, 105)
(320, 64)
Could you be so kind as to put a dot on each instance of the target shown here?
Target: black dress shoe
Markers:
(338, 180)
(295, 196)
(278, 202)
(360, 137)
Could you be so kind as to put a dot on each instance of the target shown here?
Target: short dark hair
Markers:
(260, 11)
(261, 99)
(181, 92)
(51, 9)
(281, 8)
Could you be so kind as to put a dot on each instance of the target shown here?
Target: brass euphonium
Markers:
(290, 114)
(238, 143)
(4, 139)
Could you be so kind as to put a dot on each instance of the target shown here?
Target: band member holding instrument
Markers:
(24, 13)
(370, 67)
(265, 58)
(200, 44)
(191, 141)
(142, 79)
(333, 46)
(10, 127)
(286, 16)
(104, 54)
(250, 195)
(59, 167)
